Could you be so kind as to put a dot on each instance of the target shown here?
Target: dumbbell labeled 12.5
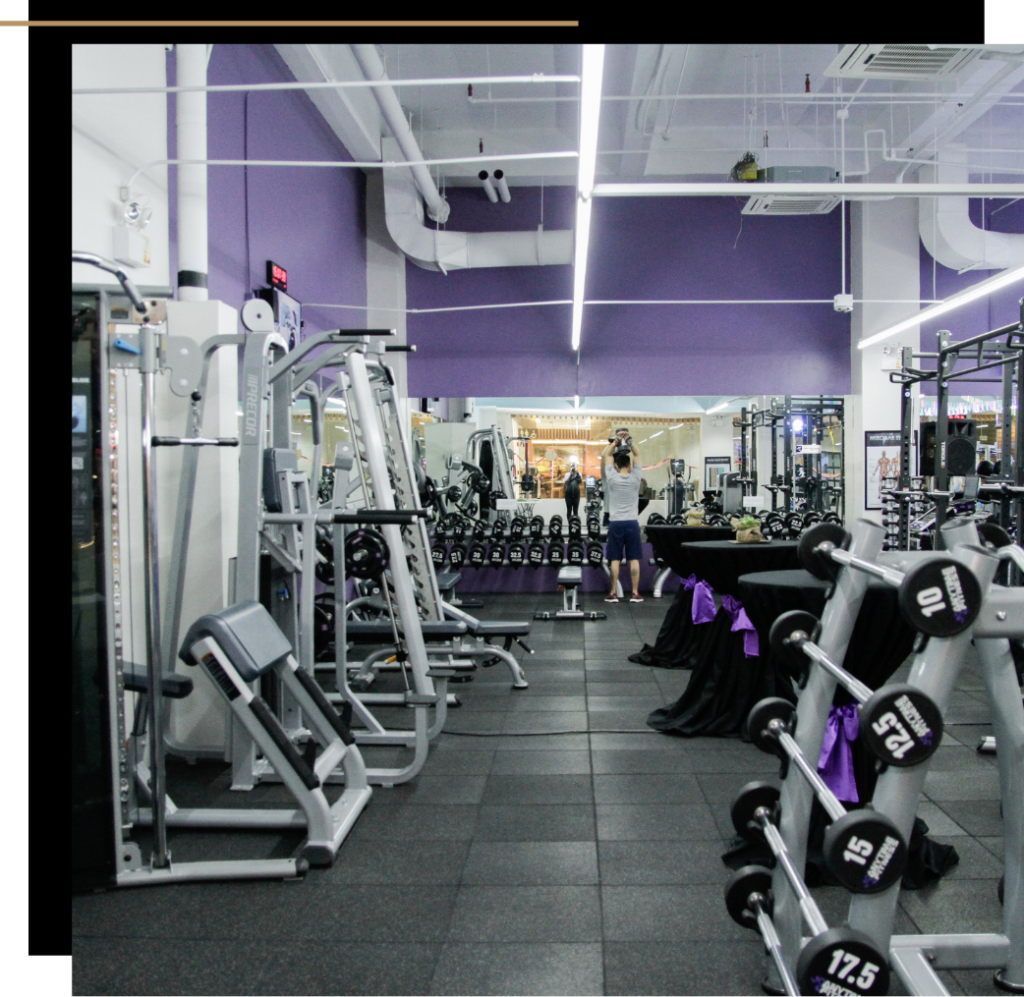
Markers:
(900, 723)
(863, 849)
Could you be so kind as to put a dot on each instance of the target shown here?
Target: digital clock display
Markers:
(277, 276)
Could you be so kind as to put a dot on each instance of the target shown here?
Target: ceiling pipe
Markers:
(948, 233)
(503, 191)
(485, 180)
(387, 99)
(190, 119)
(444, 250)
(851, 191)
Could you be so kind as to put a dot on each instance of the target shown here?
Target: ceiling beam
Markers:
(851, 191)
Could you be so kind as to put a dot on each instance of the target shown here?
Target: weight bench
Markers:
(239, 645)
(570, 578)
(446, 582)
(483, 632)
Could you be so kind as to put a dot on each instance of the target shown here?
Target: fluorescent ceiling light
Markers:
(656, 434)
(717, 408)
(986, 287)
(590, 113)
(576, 401)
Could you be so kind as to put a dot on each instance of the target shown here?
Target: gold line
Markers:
(298, 24)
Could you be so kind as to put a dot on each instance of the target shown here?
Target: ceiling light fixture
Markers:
(653, 435)
(986, 287)
(590, 113)
(717, 408)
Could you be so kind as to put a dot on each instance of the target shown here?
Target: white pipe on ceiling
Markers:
(503, 191)
(847, 190)
(373, 69)
(444, 250)
(190, 119)
(485, 180)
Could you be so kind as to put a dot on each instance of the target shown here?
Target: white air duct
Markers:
(952, 238)
(503, 191)
(444, 250)
(193, 249)
(373, 69)
(485, 180)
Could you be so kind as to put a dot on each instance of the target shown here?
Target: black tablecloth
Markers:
(667, 540)
(721, 562)
(880, 643)
(679, 640)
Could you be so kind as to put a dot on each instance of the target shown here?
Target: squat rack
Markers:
(1001, 348)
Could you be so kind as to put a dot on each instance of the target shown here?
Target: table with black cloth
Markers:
(727, 677)
(679, 638)
(879, 644)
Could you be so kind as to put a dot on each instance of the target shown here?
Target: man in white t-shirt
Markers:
(622, 487)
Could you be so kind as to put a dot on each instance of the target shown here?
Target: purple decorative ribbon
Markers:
(688, 583)
(704, 609)
(740, 621)
(836, 761)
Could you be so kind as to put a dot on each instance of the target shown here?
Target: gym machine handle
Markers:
(400, 516)
(77, 256)
(194, 441)
(400, 349)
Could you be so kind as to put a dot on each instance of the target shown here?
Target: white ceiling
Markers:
(663, 133)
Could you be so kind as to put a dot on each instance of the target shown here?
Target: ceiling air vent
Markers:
(900, 62)
(781, 204)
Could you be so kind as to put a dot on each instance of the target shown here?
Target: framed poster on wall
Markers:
(881, 460)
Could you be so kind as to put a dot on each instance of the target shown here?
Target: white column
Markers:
(885, 265)
(385, 279)
(193, 265)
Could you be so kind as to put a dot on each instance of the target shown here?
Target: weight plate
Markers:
(811, 559)
(742, 884)
(366, 554)
(457, 555)
(477, 555)
(575, 552)
(749, 800)
(992, 534)
(676, 520)
(772, 708)
(717, 519)
(595, 554)
(901, 725)
(325, 569)
(454, 493)
(323, 630)
(438, 554)
(535, 555)
(556, 554)
(496, 555)
(655, 519)
(842, 961)
(783, 645)
(832, 517)
(516, 554)
(940, 597)
(812, 517)
(864, 851)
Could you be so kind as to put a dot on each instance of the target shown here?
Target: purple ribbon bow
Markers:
(740, 621)
(836, 761)
(704, 609)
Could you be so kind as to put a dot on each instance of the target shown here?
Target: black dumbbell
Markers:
(593, 527)
(556, 554)
(576, 552)
(555, 527)
(535, 555)
(900, 724)
(676, 520)
(516, 554)
(575, 528)
(457, 555)
(438, 554)
(656, 519)
(517, 528)
(749, 901)
(477, 555)
(479, 531)
(595, 554)
(536, 527)
(863, 849)
(496, 555)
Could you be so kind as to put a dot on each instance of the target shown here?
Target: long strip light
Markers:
(717, 408)
(986, 287)
(590, 114)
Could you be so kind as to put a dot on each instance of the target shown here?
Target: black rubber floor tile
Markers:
(638, 689)
(938, 821)
(968, 734)
(654, 822)
(547, 762)
(993, 845)
(414, 863)
(475, 721)
(620, 762)
(667, 914)
(495, 968)
(978, 817)
(973, 981)
(433, 790)
(647, 788)
(340, 966)
(536, 823)
(620, 721)
(976, 861)
(965, 905)
(724, 787)
(443, 761)
(607, 673)
(754, 764)
(527, 914)
(572, 652)
(639, 706)
(531, 863)
(683, 966)
(415, 823)
(573, 741)
(642, 741)
(542, 701)
(661, 863)
(138, 966)
(962, 786)
(529, 722)
(516, 790)
(956, 757)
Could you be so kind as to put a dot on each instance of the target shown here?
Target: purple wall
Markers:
(654, 248)
(309, 220)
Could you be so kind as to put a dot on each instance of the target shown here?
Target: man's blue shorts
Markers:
(623, 538)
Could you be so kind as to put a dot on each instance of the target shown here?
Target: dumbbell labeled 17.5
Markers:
(863, 849)
(900, 723)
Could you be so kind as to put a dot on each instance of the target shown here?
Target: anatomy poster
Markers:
(882, 460)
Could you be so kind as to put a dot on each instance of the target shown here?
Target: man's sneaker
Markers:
(611, 598)
(636, 598)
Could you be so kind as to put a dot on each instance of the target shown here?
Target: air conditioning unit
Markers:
(789, 204)
(900, 62)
